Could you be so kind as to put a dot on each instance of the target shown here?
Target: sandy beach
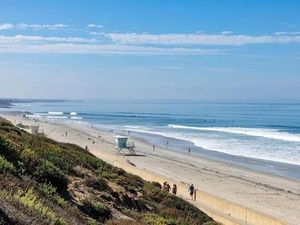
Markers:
(276, 196)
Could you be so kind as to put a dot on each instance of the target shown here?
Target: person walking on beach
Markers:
(165, 186)
(153, 147)
(168, 187)
(174, 189)
(191, 190)
(189, 150)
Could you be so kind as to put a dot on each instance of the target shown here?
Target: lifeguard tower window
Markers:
(123, 144)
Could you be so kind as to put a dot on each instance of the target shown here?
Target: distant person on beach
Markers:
(189, 150)
(66, 133)
(192, 190)
(166, 186)
(86, 147)
(174, 189)
(167, 144)
(153, 146)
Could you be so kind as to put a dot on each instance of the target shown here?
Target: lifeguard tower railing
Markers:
(123, 144)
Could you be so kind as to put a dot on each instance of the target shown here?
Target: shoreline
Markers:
(264, 166)
(269, 194)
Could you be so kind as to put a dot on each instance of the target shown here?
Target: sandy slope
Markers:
(266, 193)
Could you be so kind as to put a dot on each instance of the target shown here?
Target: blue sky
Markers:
(214, 50)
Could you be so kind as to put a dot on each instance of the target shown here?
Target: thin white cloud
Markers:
(77, 45)
(91, 25)
(200, 39)
(41, 39)
(6, 26)
(35, 27)
(287, 33)
(100, 34)
(226, 32)
(103, 49)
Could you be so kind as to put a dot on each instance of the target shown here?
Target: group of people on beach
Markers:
(166, 187)
(192, 191)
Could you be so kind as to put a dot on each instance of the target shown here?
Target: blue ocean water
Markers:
(263, 136)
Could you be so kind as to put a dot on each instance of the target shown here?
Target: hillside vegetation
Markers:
(45, 182)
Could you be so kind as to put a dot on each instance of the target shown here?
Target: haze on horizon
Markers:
(214, 50)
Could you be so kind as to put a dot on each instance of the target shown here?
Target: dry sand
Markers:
(269, 194)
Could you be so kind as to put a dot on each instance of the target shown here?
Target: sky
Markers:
(191, 50)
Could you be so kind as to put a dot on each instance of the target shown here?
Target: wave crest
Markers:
(257, 132)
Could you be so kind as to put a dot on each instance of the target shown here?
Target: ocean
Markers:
(263, 137)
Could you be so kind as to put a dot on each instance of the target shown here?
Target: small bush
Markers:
(47, 172)
(50, 192)
(98, 184)
(96, 210)
(123, 222)
(156, 184)
(211, 223)
(9, 150)
(31, 200)
(154, 219)
(6, 166)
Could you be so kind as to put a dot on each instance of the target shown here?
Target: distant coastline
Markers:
(9, 102)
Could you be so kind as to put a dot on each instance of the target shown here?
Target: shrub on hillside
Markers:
(8, 150)
(47, 172)
(31, 200)
(98, 184)
(124, 222)
(96, 210)
(6, 166)
(50, 192)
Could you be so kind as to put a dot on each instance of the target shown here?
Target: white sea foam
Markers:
(55, 113)
(33, 116)
(132, 127)
(76, 118)
(257, 132)
(57, 117)
(73, 113)
(266, 148)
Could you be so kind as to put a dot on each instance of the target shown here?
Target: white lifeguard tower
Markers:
(122, 143)
(35, 130)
